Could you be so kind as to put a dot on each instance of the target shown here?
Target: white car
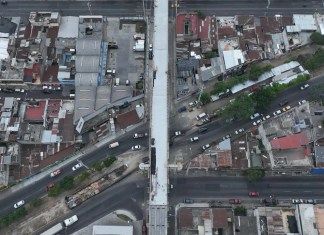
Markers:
(302, 102)
(193, 139)
(177, 133)
(239, 131)
(226, 137)
(254, 116)
(266, 117)
(257, 122)
(71, 220)
(277, 113)
(19, 204)
(207, 146)
(77, 166)
(136, 147)
(303, 87)
(286, 108)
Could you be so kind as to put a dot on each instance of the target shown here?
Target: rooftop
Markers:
(68, 27)
(35, 111)
(290, 142)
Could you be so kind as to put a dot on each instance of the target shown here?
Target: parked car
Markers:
(77, 166)
(253, 194)
(182, 109)
(239, 131)
(253, 116)
(265, 117)
(19, 204)
(206, 146)
(55, 173)
(297, 201)
(226, 137)
(136, 147)
(71, 220)
(193, 104)
(8, 90)
(311, 201)
(194, 139)
(302, 102)
(283, 102)
(49, 186)
(202, 129)
(4, 2)
(305, 86)
(277, 112)
(257, 122)
(235, 201)
(286, 108)
(188, 200)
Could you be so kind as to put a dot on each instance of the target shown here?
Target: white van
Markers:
(113, 145)
(72, 96)
(116, 81)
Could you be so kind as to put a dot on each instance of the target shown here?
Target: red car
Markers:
(253, 194)
(49, 186)
(235, 201)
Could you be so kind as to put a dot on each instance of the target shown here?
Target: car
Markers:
(257, 122)
(265, 117)
(305, 86)
(71, 220)
(8, 90)
(254, 116)
(188, 200)
(77, 166)
(311, 201)
(283, 103)
(182, 109)
(302, 102)
(234, 201)
(55, 173)
(253, 194)
(19, 204)
(193, 104)
(202, 129)
(136, 147)
(145, 159)
(4, 2)
(285, 109)
(151, 47)
(239, 131)
(47, 91)
(226, 137)
(298, 201)
(194, 139)
(277, 112)
(177, 133)
(206, 146)
(150, 55)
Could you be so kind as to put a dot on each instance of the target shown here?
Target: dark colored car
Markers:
(124, 105)
(202, 129)
(182, 109)
(49, 186)
(253, 194)
(47, 91)
(283, 103)
(235, 201)
(188, 201)
(4, 2)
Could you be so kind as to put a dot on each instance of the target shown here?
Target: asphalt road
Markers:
(33, 94)
(217, 129)
(117, 8)
(37, 189)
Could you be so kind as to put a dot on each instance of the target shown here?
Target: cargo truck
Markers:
(54, 230)
(138, 48)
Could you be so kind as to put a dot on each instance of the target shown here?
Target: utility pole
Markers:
(89, 7)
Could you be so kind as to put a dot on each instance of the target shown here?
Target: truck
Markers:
(138, 48)
(114, 145)
(139, 135)
(54, 230)
(317, 171)
(139, 36)
(55, 173)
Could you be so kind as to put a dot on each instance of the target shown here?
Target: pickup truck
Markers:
(139, 135)
(55, 173)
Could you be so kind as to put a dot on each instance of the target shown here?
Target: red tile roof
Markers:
(126, 119)
(290, 141)
(50, 75)
(35, 113)
(185, 218)
(220, 218)
(198, 27)
(224, 158)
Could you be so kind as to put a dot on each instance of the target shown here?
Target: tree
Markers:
(109, 161)
(254, 174)
(204, 98)
(240, 211)
(54, 192)
(98, 166)
(241, 108)
(263, 97)
(67, 183)
(317, 38)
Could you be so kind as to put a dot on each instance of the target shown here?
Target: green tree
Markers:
(254, 174)
(240, 211)
(317, 38)
(257, 71)
(83, 176)
(98, 166)
(204, 98)
(242, 108)
(36, 202)
(109, 161)
(67, 183)
(263, 97)
(201, 15)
